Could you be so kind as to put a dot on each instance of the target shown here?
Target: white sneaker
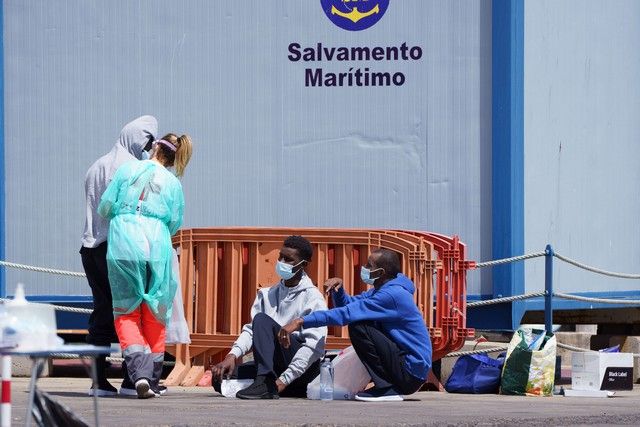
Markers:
(143, 389)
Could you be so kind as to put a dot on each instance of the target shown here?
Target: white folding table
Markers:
(38, 358)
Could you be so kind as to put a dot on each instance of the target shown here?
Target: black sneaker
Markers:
(217, 385)
(128, 388)
(159, 390)
(262, 388)
(386, 394)
(104, 389)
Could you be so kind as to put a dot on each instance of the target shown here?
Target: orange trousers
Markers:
(140, 331)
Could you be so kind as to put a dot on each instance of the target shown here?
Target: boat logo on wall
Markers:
(354, 15)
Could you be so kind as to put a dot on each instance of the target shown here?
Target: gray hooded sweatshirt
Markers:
(283, 304)
(133, 137)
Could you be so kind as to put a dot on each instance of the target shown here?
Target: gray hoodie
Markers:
(133, 137)
(284, 304)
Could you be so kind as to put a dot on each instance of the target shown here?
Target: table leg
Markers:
(5, 416)
(35, 371)
(94, 379)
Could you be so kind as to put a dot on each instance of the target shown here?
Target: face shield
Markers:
(146, 150)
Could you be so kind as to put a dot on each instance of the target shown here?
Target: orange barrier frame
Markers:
(451, 295)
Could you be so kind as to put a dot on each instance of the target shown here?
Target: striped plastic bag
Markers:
(529, 368)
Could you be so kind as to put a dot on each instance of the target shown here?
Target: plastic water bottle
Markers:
(326, 380)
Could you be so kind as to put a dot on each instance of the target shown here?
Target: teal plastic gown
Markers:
(145, 204)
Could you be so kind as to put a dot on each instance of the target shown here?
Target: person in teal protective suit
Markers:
(134, 142)
(145, 204)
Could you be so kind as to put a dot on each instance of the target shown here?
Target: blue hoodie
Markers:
(393, 308)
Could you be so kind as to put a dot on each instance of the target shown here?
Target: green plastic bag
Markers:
(529, 368)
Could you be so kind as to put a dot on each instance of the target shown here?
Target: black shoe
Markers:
(262, 388)
(386, 394)
(127, 388)
(159, 390)
(154, 382)
(104, 389)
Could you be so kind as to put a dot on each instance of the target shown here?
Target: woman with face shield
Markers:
(144, 203)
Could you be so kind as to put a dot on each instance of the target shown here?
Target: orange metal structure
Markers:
(451, 294)
(221, 270)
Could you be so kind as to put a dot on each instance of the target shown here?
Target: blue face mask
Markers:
(145, 155)
(365, 275)
(285, 271)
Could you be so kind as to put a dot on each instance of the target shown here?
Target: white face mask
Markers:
(285, 271)
(365, 275)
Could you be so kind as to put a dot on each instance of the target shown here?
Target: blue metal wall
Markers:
(566, 102)
(507, 163)
(581, 132)
(512, 135)
(269, 151)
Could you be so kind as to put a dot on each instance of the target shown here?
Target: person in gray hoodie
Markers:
(278, 370)
(134, 141)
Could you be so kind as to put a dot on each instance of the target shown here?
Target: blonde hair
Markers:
(179, 158)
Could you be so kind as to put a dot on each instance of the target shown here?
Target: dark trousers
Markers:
(271, 359)
(382, 357)
(101, 328)
(102, 331)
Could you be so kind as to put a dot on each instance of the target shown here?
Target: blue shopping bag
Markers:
(475, 374)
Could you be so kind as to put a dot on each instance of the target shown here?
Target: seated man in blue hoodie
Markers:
(279, 371)
(386, 328)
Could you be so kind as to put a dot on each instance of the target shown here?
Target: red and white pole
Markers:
(5, 402)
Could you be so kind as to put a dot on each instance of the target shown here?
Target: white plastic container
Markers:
(8, 335)
(349, 377)
(34, 324)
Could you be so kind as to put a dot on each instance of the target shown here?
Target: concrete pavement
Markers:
(198, 406)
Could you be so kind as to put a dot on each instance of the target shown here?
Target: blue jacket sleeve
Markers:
(340, 297)
(380, 305)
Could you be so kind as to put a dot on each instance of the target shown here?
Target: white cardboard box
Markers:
(602, 371)
(588, 393)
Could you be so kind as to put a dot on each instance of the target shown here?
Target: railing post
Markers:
(548, 288)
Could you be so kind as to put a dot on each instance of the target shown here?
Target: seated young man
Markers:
(386, 328)
(278, 370)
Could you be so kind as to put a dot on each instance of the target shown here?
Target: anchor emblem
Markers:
(355, 15)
